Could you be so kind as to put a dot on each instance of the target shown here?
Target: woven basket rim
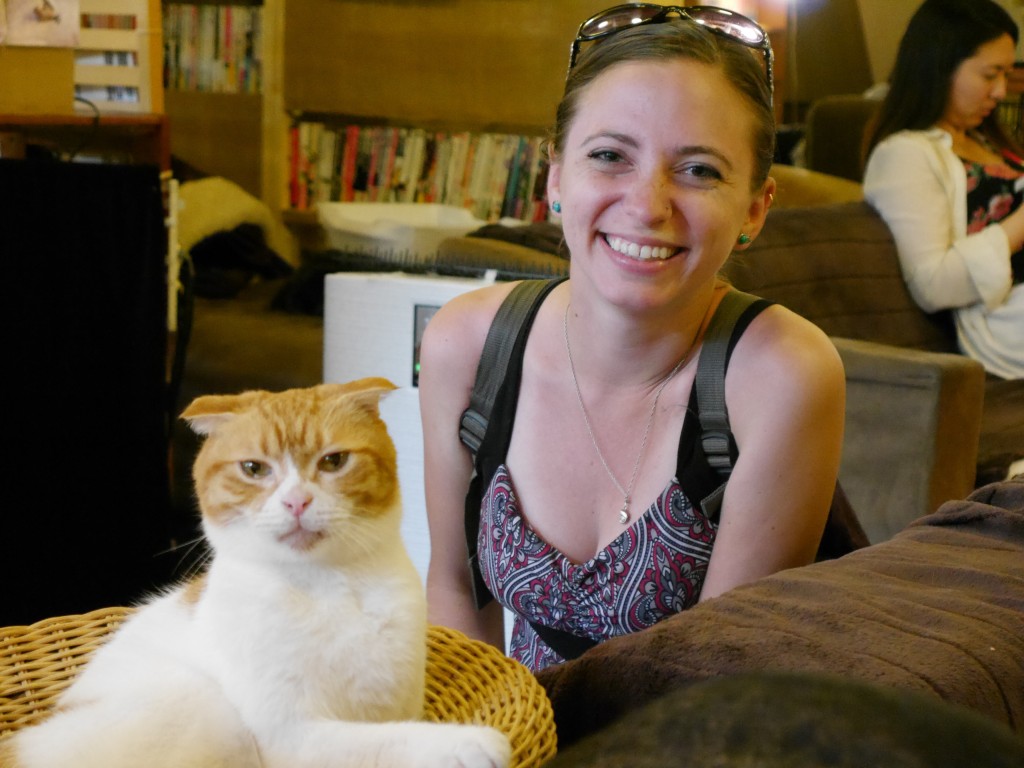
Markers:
(467, 680)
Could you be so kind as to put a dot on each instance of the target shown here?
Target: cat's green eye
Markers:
(255, 468)
(332, 462)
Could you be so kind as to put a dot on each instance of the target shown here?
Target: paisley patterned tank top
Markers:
(654, 569)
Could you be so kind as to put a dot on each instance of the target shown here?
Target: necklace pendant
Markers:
(624, 513)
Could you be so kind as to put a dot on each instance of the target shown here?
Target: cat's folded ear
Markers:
(204, 413)
(363, 392)
(207, 412)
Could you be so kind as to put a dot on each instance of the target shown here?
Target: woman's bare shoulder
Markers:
(467, 316)
(454, 337)
(781, 349)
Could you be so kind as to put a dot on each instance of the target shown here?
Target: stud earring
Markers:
(556, 206)
(743, 239)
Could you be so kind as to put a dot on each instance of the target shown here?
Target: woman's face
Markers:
(655, 179)
(979, 84)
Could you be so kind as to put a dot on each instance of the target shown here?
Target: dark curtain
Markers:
(84, 524)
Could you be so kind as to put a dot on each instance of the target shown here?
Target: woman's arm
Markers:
(785, 390)
(1013, 227)
(908, 181)
(449, 353)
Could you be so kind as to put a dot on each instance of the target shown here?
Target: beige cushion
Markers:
(797, 187)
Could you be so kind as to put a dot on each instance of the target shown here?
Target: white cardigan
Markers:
(919, 187)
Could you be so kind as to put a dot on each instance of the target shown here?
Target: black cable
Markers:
(95, 129)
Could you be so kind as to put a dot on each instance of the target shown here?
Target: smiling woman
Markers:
(659, 170)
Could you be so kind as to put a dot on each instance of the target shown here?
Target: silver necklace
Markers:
(627, 492)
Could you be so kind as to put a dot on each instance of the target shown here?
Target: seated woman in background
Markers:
(948, 180)
(659, 170)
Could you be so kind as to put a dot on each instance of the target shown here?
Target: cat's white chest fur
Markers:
(348, 644)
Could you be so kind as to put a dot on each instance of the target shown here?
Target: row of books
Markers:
(212, 47)
(107, 58)
(494, 175)
(100, 94)
(108, 21)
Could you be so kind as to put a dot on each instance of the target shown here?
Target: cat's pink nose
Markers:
(297, 502)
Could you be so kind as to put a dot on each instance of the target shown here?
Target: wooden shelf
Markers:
(219, 133)
(135, 138)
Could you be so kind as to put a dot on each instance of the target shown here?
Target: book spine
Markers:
(348, 165)
(510, 203)
(336, 168)
(229, 80)
(499, 174)
(387, 178)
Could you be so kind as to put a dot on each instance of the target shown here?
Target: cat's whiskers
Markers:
(176, 546)
(345, 526)
(198, 564)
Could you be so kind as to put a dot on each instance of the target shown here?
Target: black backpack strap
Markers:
(843, 532)
(717, 442)
(516, 311)
(716, 436)
(506, 338)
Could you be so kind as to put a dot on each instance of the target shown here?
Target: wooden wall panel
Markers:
(218, 133)
(483, 64)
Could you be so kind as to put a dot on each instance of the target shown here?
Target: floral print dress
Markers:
(994, 190)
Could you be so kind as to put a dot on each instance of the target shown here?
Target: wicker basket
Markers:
(467, 681)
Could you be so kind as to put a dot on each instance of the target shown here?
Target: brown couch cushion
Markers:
(834, 134)
(1002, 429)
(836, 265)
(799, 187)
(796, 720)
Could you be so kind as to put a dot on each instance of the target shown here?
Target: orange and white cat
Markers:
(304, 643)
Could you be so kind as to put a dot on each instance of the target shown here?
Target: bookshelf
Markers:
(467, 65)
(474, 69)
(214, 100)
(118, 58)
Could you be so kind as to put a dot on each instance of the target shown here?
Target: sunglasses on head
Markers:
(721, 21)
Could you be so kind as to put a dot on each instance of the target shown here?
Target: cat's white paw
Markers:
(467, 746)
(483, 748)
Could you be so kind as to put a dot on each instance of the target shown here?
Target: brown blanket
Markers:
(938, 608)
